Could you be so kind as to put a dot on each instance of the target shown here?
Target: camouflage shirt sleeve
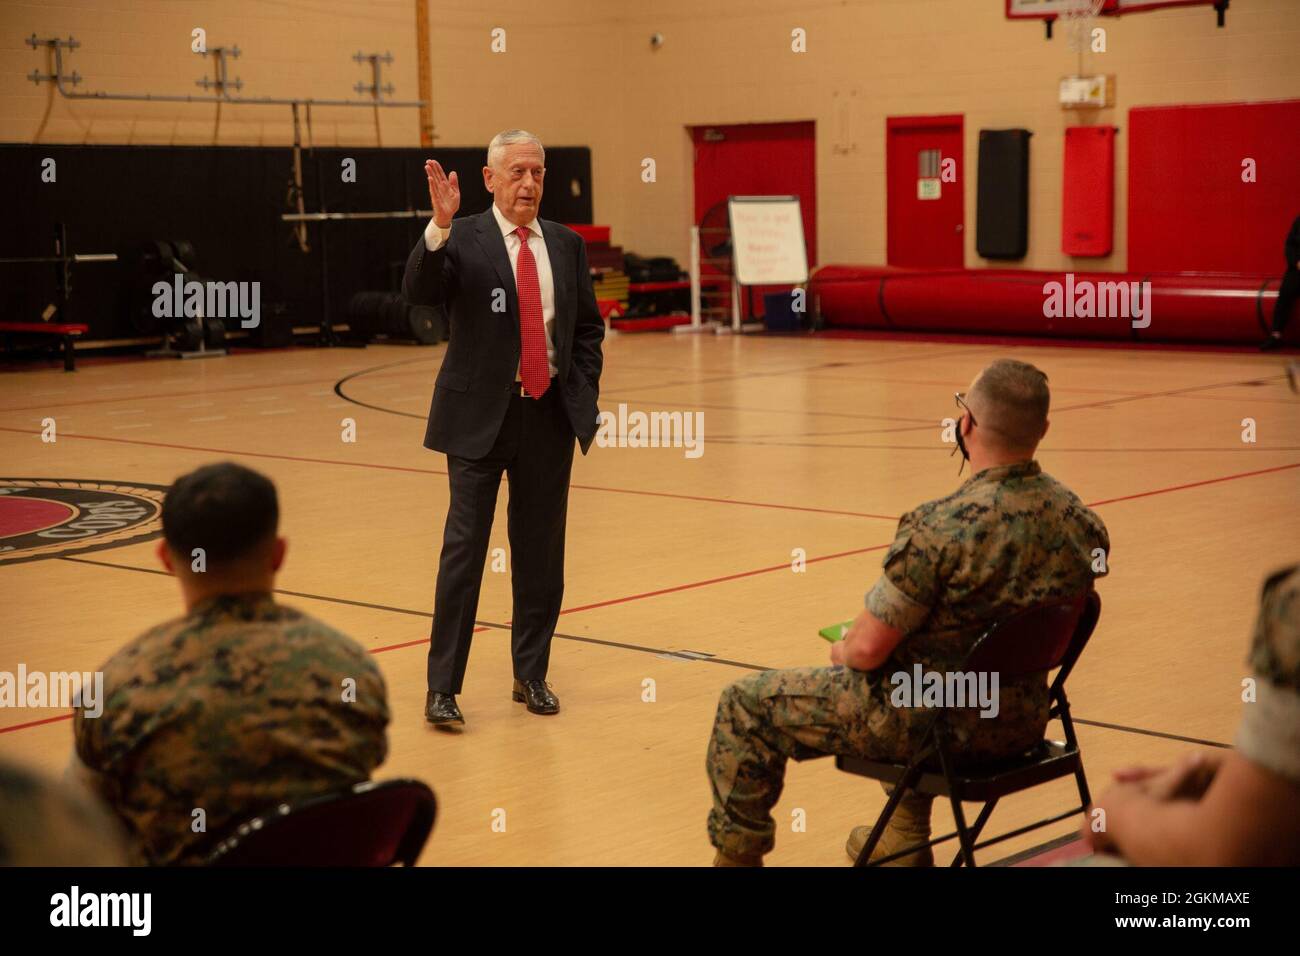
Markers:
(911, 582)
(95, 738)
(1269, 733)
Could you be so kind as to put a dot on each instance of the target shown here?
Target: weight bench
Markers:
(67, 332)
(63, 261)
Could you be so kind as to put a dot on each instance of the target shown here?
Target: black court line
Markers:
(747, 409)
(338, 386)
(1169, 393)
(1153, 733)
(493, 625)
(496, 625)
(790, 441)
(1056, 842)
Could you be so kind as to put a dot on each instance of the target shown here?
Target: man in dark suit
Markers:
(1289, 291)
(518, 383)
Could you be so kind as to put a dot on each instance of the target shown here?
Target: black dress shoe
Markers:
(537, 695)
(441, 708)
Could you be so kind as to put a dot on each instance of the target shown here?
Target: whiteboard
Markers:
(767, 241)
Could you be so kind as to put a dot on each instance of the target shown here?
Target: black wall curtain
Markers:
(227, 201)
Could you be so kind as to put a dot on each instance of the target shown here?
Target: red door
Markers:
(924, 173)
(757, 159)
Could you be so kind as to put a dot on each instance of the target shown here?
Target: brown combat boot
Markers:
(721, 859)
(909, 825)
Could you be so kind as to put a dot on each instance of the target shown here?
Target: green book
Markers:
(835, 632)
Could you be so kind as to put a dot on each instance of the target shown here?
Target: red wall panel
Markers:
(1088, 191)
(1188, 209)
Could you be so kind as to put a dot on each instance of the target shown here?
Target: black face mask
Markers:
(961, 446)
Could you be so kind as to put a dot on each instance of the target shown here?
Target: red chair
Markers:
(1035, 640)
(369, 824)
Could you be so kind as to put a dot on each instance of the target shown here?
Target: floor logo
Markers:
(51, 517)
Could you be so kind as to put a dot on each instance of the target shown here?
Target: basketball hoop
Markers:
(1077, 18)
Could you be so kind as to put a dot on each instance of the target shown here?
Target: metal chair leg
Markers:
(878, 828)
(1085, 797)
(985, 812)
(954, 794)
(963, 833)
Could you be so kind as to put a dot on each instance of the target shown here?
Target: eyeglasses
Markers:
(961, 403)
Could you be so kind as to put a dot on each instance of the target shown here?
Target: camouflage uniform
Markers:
(1269, 733)
(45, 822)
(234, 708)
(1008, 538)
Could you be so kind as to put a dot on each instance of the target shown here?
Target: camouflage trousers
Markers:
(768, 718)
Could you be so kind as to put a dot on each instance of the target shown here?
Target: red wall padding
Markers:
(1184, 308)
(1188, 209)
(1088, 191)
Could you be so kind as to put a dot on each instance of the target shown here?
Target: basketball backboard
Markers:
(1048, 9)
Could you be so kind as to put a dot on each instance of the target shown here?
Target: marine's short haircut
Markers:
(1014, 400)
(225, 509)
(509, 137)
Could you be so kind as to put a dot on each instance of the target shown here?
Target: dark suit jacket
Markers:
(473, 387)
(1292, 244)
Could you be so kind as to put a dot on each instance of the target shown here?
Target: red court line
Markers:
(435, 471)
(841, 554)
(735, 501)
(1196, 484)
(776, 567)
(35, 723)
(424, 640)
(785, 566)
(373, 650)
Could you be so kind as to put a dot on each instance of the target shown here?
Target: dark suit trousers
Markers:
(535, 450)
(1286, 298)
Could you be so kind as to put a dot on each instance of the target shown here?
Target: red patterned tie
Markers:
(533, 366)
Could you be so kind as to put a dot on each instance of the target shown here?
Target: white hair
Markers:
(508, 138)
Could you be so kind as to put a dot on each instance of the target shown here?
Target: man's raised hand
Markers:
(444, 193)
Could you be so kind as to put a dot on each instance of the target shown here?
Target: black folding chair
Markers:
(1036, 640)
(369, 824)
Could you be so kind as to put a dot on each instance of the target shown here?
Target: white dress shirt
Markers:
(435, 236)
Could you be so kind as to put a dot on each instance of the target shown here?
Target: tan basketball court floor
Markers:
(679, 570)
